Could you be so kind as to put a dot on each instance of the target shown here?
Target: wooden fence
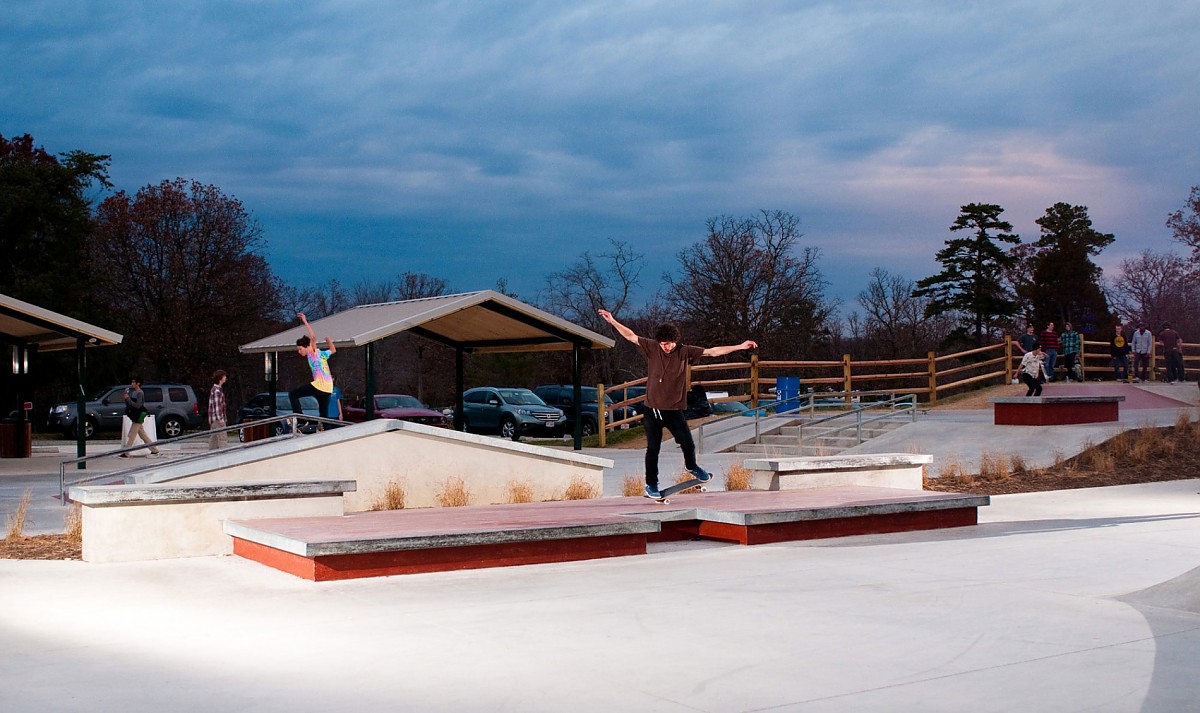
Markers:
(929, 378)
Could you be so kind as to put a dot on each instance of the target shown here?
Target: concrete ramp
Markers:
(421, 460)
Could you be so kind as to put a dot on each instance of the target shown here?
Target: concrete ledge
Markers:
(881, 470)
(129, 523)
(1055, 410)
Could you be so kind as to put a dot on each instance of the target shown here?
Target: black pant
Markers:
(309, 390)
(1174, 365)
(654, 421)
(1069, 360)
(1141, 365)
(1035, 386)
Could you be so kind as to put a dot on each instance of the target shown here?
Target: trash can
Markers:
(16, 439)
(254, 431)
(787, 392)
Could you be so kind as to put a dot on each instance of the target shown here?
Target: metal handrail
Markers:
(909, 402)
(293, 418)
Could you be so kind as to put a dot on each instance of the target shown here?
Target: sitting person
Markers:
(1032, 369)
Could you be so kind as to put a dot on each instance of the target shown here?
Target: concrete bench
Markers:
(881, 470)
(1055, 410)
(128, 523)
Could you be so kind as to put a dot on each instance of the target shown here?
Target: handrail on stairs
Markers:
(906, 403)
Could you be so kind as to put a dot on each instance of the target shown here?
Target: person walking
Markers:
(321, 385)
(1142, 342)
(1118, 348)
(1032, 370)
(217, 411)
(1049, 342)
(1072, 344)
(666, 393)
(1172, 352)
(135, 409)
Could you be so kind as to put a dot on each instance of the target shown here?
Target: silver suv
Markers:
(173, 406)
(511, 413)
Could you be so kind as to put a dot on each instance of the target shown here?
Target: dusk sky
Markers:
(482, 140)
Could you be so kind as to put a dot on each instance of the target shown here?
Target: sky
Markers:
(477, 141)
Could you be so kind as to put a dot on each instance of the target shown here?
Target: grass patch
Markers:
(392, 497)
(15, 524)
(518, 491)
(453, 493)
(737, 477)
(580, 489)
(631, 486)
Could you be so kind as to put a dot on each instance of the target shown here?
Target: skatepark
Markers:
(1067, 600)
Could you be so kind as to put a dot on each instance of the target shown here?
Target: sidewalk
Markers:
(1069, 600)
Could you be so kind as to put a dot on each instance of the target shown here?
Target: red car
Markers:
(400, 406)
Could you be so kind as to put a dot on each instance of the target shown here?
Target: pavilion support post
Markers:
(577, 397)
(369, 396)
(80, 403)
(459, 424)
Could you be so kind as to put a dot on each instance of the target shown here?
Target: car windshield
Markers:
(393, 401)
(521, 397)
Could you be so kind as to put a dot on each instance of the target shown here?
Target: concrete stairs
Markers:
(830, 438)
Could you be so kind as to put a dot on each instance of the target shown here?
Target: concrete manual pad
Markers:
(1022, 612)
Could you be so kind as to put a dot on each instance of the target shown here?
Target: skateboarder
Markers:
(666, 393)
(321, 385)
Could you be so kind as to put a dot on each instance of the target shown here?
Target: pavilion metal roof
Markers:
(483, 322)
(25, 323)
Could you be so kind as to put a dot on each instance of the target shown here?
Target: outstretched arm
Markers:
(721, 351)
(312, 336)
(329, 343)
(621, 329)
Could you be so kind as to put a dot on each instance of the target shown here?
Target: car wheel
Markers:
(588, 428)
(508, 429)
(89, 429)
(171, 427)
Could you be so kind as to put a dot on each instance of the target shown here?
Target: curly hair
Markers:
(667, 332)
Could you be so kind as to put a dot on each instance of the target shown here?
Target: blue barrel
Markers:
(787, 389)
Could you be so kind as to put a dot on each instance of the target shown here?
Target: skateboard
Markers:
(679, 487)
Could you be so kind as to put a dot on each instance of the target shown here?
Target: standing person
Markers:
(1027, 341)
(1142, 342)
(1118, 348)
(666, 393)
(1071, 343)
(1049, 342)
(1032, 369)
(1172, 352)
(135, 409)
(321, 385)
(216, 411)
(335, 406)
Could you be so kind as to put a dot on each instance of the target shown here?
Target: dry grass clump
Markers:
(518, 491)
(993, 466)
(580, 489)
(74, 523)
(631, 486)
(453, 493)
(16, 521)
(737, 477)
(392, 497)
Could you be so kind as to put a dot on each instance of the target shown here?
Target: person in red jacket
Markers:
(1050, 345)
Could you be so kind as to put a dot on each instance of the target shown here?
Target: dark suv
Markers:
(563, 396)
(173, 406)
(511, 412)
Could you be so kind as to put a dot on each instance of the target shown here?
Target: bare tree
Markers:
(894, 324)
(748, 280)
(1185, 227)
(1156, 288)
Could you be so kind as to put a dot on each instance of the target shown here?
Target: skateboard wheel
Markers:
(665, 501)
(703, 489)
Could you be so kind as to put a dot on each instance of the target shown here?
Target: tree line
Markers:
(179, 268)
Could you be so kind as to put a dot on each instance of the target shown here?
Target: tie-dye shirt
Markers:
(318, 361)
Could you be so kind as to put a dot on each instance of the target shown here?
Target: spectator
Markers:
(1027, 341)
(1142, 342)
(1172, 353)
(1032, 370)
(1071, 343)
(217, 411)
(1049, 342)
(1118, 347)
(135, 409)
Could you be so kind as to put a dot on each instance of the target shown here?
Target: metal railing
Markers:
(801, 406)
(906, 404)
(287, 429)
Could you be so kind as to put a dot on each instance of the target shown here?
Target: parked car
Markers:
(173, 406)
(725, 408)
(401, 406)
(562, 396)
(510, 412)
(258, 408)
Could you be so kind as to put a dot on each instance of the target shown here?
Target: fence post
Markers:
(754, 381)
(1083, 358)
(847, 381)
(602, 415)
(1008, 371)
(932, 378)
